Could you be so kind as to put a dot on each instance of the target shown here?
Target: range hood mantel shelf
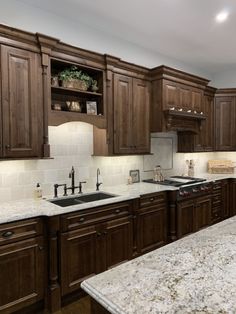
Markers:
(183, 121)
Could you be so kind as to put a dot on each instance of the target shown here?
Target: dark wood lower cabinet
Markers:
(193, 215)
(185, 218)
(232, 210)
(151, 229)
(202, 213)
(90, 250)
(78, 249)
(22, 268)
(225, 196)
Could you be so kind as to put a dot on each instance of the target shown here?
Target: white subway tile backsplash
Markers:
(72, 144)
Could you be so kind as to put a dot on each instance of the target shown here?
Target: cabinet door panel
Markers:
(141, 116)
(21, 108)
(197, 99)
(78, 258)
(185, 218)
(202, 213)
(151, 231)
(119, 241)
(171, 95)
(225, 123)
(122, 114)
(185, 97)
(21, 274)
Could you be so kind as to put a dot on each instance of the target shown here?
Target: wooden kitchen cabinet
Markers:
(95, 241)
(131, 115)
(204, 140)
(22, 265)
(193, 215)
(185, 218)
(151, 231)
(128, 91)
(226, 196)
(232, 209)
(202, 212)
(225, 117)
(174, 94)
(22, 107)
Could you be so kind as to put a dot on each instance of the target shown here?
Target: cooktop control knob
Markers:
(195, 190)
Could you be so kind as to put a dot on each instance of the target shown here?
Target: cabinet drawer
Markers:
(216, 198)
(14, 231)
(98, 214)
(152, 199)
(217, 185)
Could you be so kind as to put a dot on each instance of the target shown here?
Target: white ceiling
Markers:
(183, 29)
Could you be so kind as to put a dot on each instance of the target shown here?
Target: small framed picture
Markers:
(91, 107)
(134, 175)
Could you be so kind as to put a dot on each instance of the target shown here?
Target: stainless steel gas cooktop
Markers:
(177, 181)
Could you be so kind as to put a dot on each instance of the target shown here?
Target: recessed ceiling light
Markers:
(222, 16)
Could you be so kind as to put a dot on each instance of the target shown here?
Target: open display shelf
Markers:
(61, 96)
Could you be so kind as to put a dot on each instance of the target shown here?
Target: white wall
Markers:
(225, 79)
(20, 15)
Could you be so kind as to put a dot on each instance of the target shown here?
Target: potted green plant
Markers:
(74, 78)
(94, 85)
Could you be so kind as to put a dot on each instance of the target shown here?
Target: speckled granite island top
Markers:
(196, 274)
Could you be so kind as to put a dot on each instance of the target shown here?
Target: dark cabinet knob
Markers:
(7, 234)
(81, 219)
(41, 248)
(7, 146)
(117, 211)
(99, 234)
(151, 199)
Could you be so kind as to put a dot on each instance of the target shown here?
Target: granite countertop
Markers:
(196, 274)
(29, 208)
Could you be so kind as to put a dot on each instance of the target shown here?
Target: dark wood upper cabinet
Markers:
(22, 109)
(123, 94)
(204, 140)
(128, 112)
(141, 116)
(131, 115)
(177, 100)
(225, 117)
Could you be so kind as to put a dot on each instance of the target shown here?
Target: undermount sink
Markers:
(86, 198)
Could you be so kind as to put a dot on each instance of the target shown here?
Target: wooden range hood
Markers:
(183, 121)
(177, 101)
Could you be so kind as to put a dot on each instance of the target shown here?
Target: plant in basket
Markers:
(74, 78)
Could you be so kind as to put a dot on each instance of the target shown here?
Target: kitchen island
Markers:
(196, 274)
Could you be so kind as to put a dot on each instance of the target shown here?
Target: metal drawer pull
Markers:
(7, 234)
(117, 211)
(41, 248)
(99, 234)
(151, 199)
(81, 219)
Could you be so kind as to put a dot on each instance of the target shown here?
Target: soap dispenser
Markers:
(38, 191)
